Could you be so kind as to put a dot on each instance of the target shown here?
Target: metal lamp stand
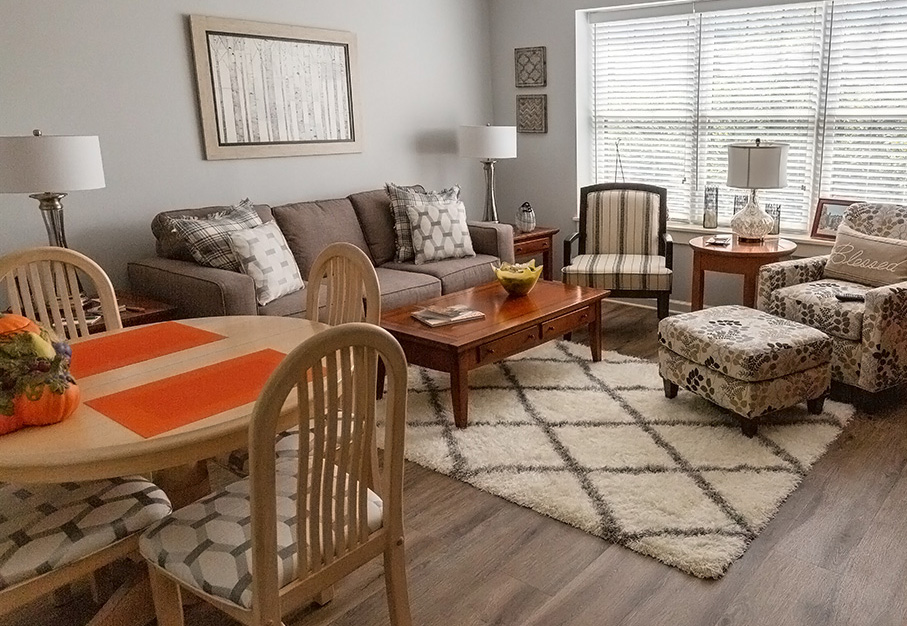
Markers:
(491, 211)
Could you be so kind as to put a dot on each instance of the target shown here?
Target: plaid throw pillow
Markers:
(263, 254)
(403, 197)
(439, 231)
(208, 239)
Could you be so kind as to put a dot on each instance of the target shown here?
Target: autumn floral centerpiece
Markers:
(36, 387)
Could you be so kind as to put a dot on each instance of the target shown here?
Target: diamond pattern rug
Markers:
(598, 446)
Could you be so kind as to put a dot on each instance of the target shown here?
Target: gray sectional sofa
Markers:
(362, 219)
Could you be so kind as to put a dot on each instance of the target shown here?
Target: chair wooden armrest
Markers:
(567, 246)
(669, 251)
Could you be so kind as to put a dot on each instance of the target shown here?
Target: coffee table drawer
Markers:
(565, 323)
(511, 344)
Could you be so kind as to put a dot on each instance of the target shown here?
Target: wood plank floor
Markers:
(836, 553)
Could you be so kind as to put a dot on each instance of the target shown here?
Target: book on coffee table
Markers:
(441, 316)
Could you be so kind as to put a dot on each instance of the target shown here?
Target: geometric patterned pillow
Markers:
(439, 231)
(264, 255)
(401, 199)
(208, 238)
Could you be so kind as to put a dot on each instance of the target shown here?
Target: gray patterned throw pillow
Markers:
(263, 254)
(207, 239)
(439, 231)
(403, 198)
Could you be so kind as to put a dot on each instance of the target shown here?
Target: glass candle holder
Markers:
(710, 207)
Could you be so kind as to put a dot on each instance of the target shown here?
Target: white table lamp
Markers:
(48, 166)
(754, 166)
(488, 143)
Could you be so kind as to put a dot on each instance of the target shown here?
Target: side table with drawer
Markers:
(539, 241)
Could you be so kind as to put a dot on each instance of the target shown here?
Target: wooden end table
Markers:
(139, 310)
(537, 241)
(511, 325)
(735, 258)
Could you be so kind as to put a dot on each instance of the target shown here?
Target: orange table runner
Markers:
(155, 408)
(110, 352)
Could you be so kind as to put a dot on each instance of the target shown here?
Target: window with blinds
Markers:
(672, 85)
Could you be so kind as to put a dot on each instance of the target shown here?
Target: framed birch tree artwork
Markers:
(268, 90)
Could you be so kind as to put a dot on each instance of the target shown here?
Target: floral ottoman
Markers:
(744, 360)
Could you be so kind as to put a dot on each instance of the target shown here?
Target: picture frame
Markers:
(274, 90)
(530, 66)
(532, 114)
(828, 215)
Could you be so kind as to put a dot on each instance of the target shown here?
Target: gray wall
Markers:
(123, 70)
(547, 171)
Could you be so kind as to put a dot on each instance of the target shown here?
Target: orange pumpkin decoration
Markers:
(35, 386)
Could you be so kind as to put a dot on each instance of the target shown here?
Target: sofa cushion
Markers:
(867, 259)
(373, 208)
(402, 288)
(263, 254)
(170, 246)
(208, 239)
(403, 197)
(454, 274)
(439, 231)
(815, 304)
(310, 226)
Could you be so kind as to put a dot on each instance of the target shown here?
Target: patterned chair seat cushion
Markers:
(815, 304)
(619, 271)
(286, 446)
(44, 527)
(208, 545)
(744, 343)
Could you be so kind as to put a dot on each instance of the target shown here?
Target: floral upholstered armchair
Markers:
(869, 337)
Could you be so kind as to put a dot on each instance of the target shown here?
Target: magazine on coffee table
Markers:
(443, 315)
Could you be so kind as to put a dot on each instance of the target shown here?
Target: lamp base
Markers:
(52, 212)
(491, 211)
(751, 224)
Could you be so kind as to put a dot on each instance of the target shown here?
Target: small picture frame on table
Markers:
(828, 216)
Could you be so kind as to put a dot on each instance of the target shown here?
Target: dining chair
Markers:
(44, 285)
(54, 535)
(261, 547)
(350, 284)
(624, 245)
(342, 287)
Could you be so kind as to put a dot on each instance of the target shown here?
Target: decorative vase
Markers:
(525, 218)
(752, 223)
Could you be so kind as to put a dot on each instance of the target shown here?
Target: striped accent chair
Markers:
(623, 242)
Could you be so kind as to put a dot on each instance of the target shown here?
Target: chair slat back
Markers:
(622, 218)
(351, 284)
(43, 285)
(334, 375)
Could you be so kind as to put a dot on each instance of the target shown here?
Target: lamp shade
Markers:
(487, 142)
(55, 163)
(759, 165)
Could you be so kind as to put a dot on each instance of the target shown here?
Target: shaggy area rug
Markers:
(598, 446)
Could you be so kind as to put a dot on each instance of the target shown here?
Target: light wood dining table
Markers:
(89, 445)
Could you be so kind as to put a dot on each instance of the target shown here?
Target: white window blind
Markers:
(671, 91)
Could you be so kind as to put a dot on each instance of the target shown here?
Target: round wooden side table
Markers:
(735, 258)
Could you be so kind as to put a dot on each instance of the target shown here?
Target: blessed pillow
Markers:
(263, 254)
(439, 231)
(867, 259)
(401, 199)
(207, 239)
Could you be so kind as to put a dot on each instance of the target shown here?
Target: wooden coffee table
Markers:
(511, 325)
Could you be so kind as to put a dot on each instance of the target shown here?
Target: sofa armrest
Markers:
(774, 276)
(884, 356)
(197, 291)
(493, 239)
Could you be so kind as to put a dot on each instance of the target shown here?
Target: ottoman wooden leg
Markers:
(670, 388)
(815, 405)
(748, 426)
